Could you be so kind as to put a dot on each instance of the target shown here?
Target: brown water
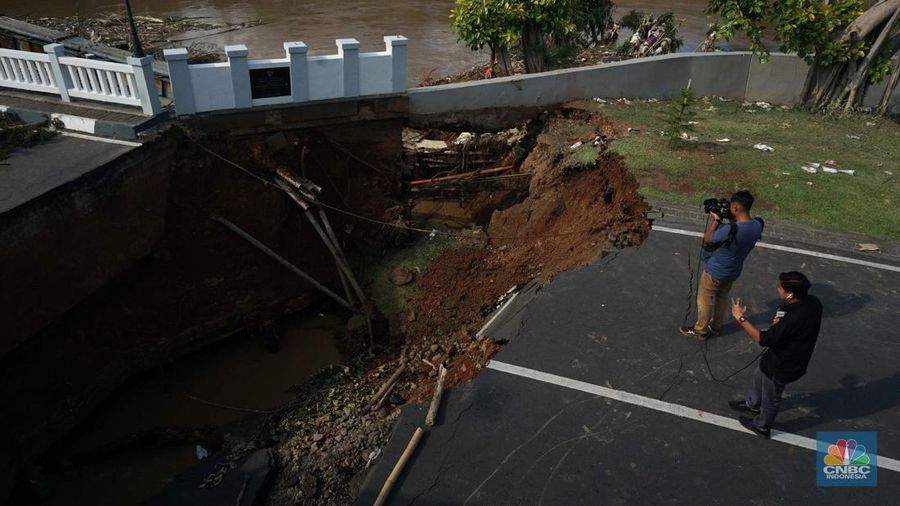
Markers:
(433, 46)
(237, 372)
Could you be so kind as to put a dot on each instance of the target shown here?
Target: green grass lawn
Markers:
(866, 202)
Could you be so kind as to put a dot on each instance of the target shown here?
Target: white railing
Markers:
(69, 77)
(100, 80)
(242, 83)
(26, 71)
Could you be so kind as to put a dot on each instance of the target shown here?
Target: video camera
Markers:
(722, 207)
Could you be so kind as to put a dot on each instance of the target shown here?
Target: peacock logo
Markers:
(846, 452)
(847, 459)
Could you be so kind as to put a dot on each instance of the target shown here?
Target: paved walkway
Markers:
(598, 400)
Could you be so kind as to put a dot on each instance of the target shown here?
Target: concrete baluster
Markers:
(296, 53)
(240, 75)
(143, 78)
(396, 46)
(180, 76)
(348, 49)
(62, 79)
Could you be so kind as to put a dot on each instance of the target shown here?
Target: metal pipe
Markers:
(296, 270)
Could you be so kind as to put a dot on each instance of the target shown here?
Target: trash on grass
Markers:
(576, 145)
(849, 172)
(811, 170)
(830, 170)
(685, 137)
(723, 139)
(763, 147)
(869, 123)
(867, 247)
(854, 137)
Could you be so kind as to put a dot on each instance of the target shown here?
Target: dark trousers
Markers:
(765, 395)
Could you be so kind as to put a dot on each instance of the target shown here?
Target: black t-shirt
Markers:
(790, 342)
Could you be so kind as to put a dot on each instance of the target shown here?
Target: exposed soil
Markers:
(580, 202)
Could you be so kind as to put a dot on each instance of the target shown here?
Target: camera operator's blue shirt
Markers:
(726, 261)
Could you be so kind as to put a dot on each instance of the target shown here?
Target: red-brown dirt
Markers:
(573, 211)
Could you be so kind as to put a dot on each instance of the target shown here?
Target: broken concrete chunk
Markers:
(401, 276)
(431, 145)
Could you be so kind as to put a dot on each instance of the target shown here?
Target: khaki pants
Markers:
(712, 303)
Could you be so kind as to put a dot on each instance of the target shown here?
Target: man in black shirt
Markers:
(789, 344)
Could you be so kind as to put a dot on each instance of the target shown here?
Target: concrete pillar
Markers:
(296, 53)
(348, 49)
(240, 75)
(180, 76)
(143, 78)
(62, 79)
(396, 46)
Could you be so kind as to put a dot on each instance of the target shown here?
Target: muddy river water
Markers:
(433, 46)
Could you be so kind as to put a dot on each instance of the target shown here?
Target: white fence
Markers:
(119, 83)
(242, 83)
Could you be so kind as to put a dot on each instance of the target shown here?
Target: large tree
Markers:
(847, 45)
(500, 24)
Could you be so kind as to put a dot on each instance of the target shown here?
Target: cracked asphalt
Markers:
(506, 439)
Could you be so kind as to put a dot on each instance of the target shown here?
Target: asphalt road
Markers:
(525, 439)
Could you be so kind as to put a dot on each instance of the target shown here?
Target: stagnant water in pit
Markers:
(237, 372)
(433, 48)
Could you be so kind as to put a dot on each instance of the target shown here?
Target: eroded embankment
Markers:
(580, 201)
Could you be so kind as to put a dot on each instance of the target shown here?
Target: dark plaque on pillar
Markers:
(273, 82)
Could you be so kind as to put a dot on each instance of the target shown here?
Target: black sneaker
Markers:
(747, 422)
(690, 332)
(742, 407)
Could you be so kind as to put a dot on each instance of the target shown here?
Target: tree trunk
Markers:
(533, 48)
(843, 85)
(853, 90)
(504, 61)
(889, 89)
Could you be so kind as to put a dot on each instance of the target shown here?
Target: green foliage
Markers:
(592, 18)
(807, 27)
(679, 115)
(881, 66)
(632, 20)
(480, 23)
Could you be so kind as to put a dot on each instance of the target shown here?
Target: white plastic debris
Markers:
(889, 173)
(599, 100)
(786, 173)
(431, 145)
(652, 100)
(854, 137)
(763, 147)
(723, 139)
(777, 185)
(811, 170)
(576, 145)
(869, 123)
(764, 105)
(813, 164)
(809, 183)
(693, 122)
(830, 170)
(849, 172)
(464, 138)
(867, 247)
(630, 129)
(690, 138)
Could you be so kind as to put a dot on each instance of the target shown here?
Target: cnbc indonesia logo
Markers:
(847, 462)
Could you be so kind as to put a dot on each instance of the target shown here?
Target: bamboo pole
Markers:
(386, 385)
(293, 268)
(398, 467)
(436, 399)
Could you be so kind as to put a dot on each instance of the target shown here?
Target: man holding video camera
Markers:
(727, 246)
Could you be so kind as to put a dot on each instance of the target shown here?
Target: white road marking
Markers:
(101, 139)
(497, 314)
(667, 407)
(789, 249)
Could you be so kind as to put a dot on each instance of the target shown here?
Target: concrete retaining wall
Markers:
(735, 75)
